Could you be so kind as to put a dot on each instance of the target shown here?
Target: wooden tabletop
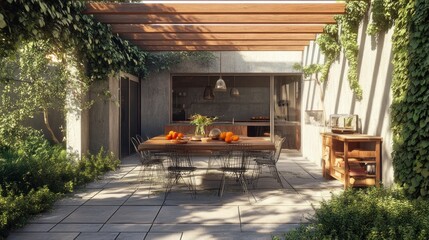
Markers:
(159, 143)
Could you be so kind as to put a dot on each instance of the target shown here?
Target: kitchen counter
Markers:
(238, 123)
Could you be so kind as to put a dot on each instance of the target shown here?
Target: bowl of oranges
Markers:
(176, 137)
(229, 137)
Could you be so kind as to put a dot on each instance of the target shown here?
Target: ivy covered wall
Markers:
(374, 71)
(393, 72)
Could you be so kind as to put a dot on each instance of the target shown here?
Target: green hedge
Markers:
(33, 174)
(410, 107)
(367, 214)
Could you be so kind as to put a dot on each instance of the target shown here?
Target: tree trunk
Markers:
(48, 126)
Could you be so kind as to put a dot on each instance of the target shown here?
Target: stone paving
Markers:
(120, 207)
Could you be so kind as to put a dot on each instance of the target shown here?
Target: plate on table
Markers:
(180, 141)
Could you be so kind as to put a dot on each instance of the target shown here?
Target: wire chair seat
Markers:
(235, 161)
(181, 167)
(270, 161)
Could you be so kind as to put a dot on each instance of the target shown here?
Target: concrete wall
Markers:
(156, 96)
(104, 116)
(375, 77)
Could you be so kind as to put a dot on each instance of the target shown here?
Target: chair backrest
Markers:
(139, 138)
(179, 156)
(237, 157)
(136, 144)
(278, 143)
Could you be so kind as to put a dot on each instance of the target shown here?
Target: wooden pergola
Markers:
(215, 26)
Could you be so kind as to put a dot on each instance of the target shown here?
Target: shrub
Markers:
(367, 214)
(33, 174)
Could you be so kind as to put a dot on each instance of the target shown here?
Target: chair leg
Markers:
(222, 185)
(276, 175)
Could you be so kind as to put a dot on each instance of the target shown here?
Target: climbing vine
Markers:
(383, 15)
(355, 11)
(333, 39)
(410, 107)
(330, 47)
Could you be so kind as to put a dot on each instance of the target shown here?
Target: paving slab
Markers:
(91, 214)
(78, 198)
(163, 236)
(97, 236)
(125, 227)
(279, 197)
(74, 227)
(269, 228)
(55, 215)
(131, 236)
(36, 227)
(201, 227)
(102, 198)
(226, 236)
(135, 214)
(274, 214)
(198, 214)
(145, 198)
(42, 236)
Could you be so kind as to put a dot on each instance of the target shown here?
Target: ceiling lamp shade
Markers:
(234, 91)
(208, 91)
(220, 83)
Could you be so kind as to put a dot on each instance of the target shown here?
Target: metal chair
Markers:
(181, 166)
(270, 161)
(235, 162)
(151, 165)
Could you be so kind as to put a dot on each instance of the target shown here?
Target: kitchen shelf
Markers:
(345, 157)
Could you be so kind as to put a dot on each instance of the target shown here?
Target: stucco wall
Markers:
(156, 95)
(375, 76)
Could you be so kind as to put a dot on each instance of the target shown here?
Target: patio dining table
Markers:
(159, 143)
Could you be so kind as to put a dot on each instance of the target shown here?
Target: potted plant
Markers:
(200, 123)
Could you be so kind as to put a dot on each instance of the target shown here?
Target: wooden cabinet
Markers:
(354, 159)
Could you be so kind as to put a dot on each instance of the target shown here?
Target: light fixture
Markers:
(208, 91)
(220, 83)
(234, 91)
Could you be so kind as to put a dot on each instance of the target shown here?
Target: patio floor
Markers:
(119, 207)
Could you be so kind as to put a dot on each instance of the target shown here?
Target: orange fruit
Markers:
(235, 138)
(168, 137)
(222, 136)
(175, 134)
(171, 133)
(180, 136)
(229, 134)
(228, 139)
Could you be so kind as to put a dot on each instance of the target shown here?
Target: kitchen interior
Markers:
(245, 107)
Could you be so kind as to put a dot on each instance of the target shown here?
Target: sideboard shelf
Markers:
(353, 159)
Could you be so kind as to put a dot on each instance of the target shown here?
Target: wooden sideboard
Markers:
(354, 159)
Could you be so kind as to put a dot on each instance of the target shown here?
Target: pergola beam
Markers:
(216, 18)
(222, 48)
(218, 28)
(220, 43)
(236, 8)
(218, 36)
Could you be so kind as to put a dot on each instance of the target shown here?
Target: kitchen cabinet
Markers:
(354, 159)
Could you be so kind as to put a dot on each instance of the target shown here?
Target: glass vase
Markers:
(200, 130)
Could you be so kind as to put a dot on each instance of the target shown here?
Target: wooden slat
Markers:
(175, 8)
(218, 36)
(220, 43)
(222, 48)
(219, 28)
(215, 18)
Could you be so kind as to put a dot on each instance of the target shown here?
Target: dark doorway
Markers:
(130, 113)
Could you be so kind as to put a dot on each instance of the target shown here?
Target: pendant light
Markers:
(208, 91)
(234, 91)
(220, 83)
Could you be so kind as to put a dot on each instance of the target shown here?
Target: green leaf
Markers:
(2, 21)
